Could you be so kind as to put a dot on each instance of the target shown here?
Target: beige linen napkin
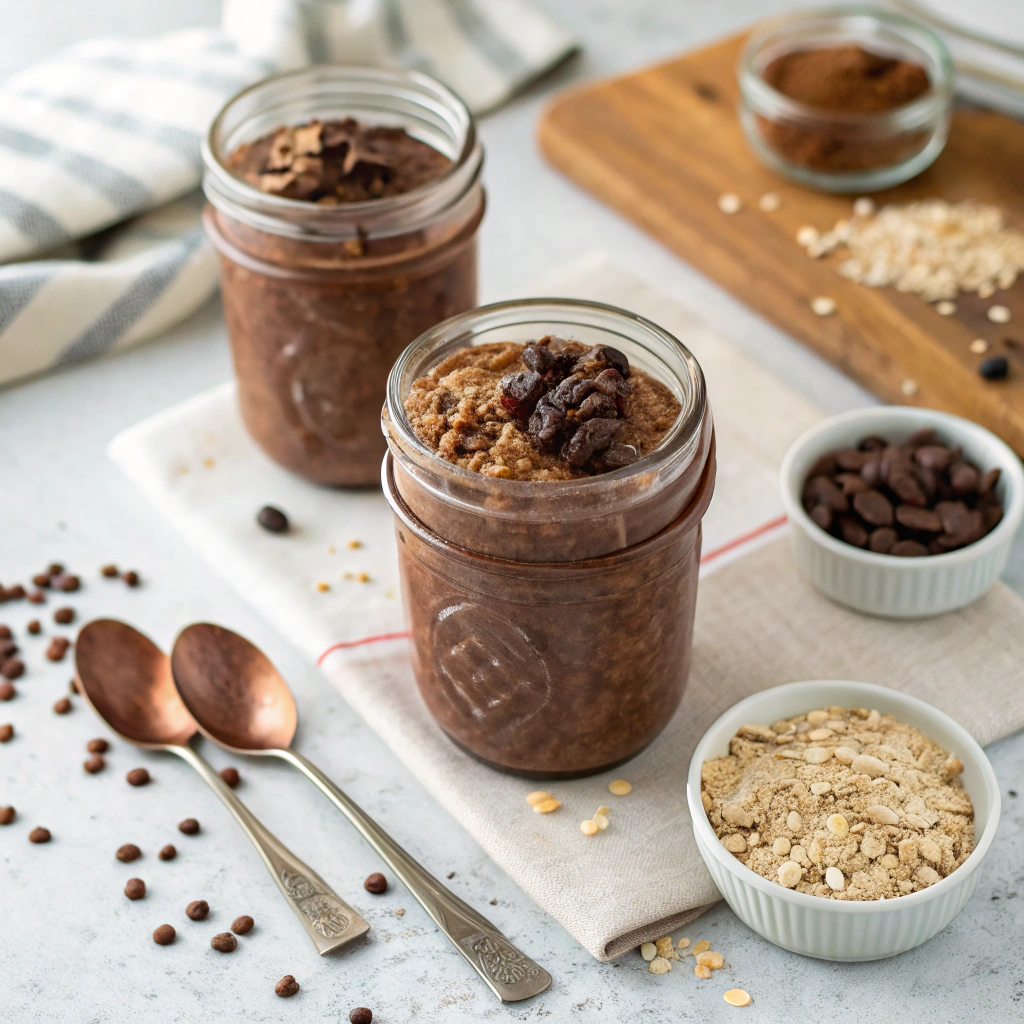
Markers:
(758, 624)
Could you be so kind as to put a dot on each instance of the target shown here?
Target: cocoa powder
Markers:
(843, 80)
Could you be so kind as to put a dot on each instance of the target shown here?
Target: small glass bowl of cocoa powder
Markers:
(850, 99)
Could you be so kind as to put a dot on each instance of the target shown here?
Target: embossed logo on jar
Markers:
(494, 671)
(320, 377)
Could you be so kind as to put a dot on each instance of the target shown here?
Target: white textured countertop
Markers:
(72, 948)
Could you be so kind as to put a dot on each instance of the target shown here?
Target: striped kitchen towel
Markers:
(100, 242)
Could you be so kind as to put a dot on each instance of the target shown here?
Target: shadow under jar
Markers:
(321, 299)
(552, 620)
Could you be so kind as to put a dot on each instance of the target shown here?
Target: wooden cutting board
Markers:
(661, 145)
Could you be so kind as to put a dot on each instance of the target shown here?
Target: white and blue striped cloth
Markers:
(100, 241)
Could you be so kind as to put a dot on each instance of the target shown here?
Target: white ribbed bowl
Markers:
(885, 584)
(844, 929)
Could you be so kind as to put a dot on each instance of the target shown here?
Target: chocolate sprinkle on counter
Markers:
(230, 776)
(7, 691)
(138, 777)
(34, 627)
(287, 986)
(198, 910)
(225, 942)
(167, 852)
(6, 733)
(95, 764)
(135, 889)
(110, 571)
(97, 746)
(62, 707)
(376, 883)
(131, 578)
(360, 1015)
(189, 826)
(164, 935)
(127, 853)
(13, 668)
(243, 925)
(39, 835)
(64, 616)
(6, 815)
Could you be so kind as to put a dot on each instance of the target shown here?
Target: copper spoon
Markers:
(127, 681)
(240, 701)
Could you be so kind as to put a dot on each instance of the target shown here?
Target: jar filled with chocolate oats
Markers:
(550, 591)
(344, 203)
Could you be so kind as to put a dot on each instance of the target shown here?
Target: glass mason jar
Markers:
(320, 300)
(552, 621)
(836, 151)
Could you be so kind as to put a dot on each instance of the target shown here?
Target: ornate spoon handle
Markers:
(328, 919)
(509, 973)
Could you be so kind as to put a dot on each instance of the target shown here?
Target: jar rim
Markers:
(684, 430)
(386, 215)
(923, 110)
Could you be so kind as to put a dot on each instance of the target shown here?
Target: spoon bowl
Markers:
(127, 681)
(237, 696)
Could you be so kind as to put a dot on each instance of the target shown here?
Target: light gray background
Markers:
(72, 948)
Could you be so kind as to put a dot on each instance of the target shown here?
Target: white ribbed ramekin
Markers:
(886, 585)
(844, 929)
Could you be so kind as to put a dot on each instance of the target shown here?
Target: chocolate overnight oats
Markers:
(341, 240)
(549, 567)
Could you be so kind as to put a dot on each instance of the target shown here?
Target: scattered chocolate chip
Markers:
(131, 578)
(164, 935)
(230, 776)
(198, 910)
(41, 579)
(6, 815)
(58, 648)
(55, 569)
(7, 691)
(110, 571)
(8, 648)
(189, 826)
(243, 925)
(287, 986)
(34, 627)
(451, 874)
(98, 746)
(360, 1015)
(64, 616)
(376, 883)
(12, 668)
(6, 733)
(62, 707)
(128, 853)
(135, 888)
(73, 687)
(273, 520)
(5, 633)
(39, 835)
(15, 593)
(67, 584)
(95, 764)
(37, 597)
(225, 942)
(138, 777)
(994, 368)
(167, 852)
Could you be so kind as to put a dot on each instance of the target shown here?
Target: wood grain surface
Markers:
(662, 144)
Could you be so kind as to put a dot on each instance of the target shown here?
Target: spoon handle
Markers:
(509, 973)
(328, 919)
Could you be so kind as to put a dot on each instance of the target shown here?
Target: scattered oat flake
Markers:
(702, 972)
(664, 947)
(400, 912)
(620, 787)
(998, 314)
(588, 828)
(822, 305)
(945, 308)
(323, 587)
(682, 943)
(910, 387)
(659, 965)
(737, 997)
(729, 202)
(807, 236)
(979, 346)
(701, 946)
(709, 958)
(770, 202)
(547, 806)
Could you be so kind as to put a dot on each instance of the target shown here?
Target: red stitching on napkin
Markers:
(404, 635)
(737, 541)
